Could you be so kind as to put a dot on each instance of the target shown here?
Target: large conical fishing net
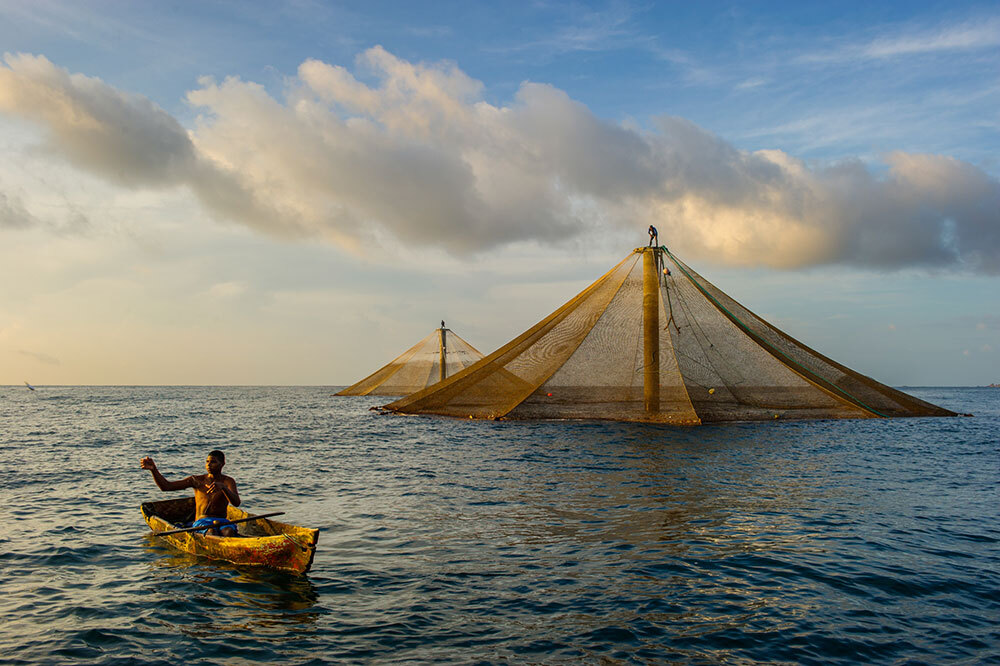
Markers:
(438, 356)
(652, 340)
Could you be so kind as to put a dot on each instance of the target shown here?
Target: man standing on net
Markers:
(652, 236)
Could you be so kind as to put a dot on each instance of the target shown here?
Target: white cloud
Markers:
(125, 138)
(950, 38)
(586, 31)
(751, 83)
(226, 290)
(411, 151)
(910, 41)
(13, 214)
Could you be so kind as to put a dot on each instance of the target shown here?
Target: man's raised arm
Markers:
(161, 481)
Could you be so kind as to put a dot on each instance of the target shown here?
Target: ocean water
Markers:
(454, 541)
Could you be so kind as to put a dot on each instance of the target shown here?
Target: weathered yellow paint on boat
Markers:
(266, 543)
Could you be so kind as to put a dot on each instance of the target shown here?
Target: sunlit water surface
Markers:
(459, 541)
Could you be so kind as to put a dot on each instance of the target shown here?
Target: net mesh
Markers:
(505, 378)
(419, 366)
(729, 376)
(603, 378)
(862, 391)
(717, 361)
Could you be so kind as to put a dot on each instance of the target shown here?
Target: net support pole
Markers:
(444, 351)
(650, 331)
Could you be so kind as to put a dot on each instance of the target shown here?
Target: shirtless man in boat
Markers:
(213, 492)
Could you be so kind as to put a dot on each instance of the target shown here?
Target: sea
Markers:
(495, 542)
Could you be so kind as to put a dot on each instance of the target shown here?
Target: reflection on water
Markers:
(640, 535)
(646, 494)
(239, 598)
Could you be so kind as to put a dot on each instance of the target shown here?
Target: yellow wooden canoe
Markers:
(266, 543)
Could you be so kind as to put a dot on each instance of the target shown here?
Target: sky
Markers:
(294, 193)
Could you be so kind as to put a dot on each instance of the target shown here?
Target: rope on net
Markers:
(661, 266)
(777, 353)
(714, 359)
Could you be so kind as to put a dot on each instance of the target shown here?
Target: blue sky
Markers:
(293, 193)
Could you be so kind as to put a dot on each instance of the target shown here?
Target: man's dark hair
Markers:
(218, 454)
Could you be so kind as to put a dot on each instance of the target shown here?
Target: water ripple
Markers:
(444, 540)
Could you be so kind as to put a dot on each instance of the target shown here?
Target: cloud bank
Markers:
(413, 150)
(13, 214)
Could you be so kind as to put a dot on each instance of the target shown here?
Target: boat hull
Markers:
(266, 543)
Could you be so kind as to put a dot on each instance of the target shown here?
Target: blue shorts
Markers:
(209, 523)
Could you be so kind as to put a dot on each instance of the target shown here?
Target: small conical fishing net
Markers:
(652, 340)
(438, 356)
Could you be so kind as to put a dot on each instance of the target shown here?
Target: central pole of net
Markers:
(650, 330)
(444, 350)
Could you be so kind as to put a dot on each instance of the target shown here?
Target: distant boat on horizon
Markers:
(30, 387)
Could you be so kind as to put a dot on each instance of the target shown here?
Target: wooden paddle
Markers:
(209, 527)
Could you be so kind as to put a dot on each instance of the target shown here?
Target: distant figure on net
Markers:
(213, 493)
(442, 323)
(653, 242)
